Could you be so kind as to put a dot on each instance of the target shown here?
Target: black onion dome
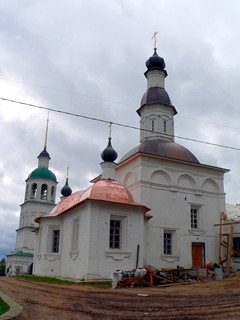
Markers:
(162, 148)
(66, 190)
(155, 62)
(109, 154)
(156, 95)
(44, 154)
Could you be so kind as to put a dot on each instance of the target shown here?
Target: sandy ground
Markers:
(210, 300)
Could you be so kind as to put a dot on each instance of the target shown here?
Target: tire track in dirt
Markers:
(41, 301)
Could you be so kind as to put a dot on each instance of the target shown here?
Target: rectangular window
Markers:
(152, 125)
(167, 242)
(115, 234)
(55, 240)
(75, 234)
(194, 218)
(236, 246)
(164, 126)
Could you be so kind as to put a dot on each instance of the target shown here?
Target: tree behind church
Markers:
(2, 267)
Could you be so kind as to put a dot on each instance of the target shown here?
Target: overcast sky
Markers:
(88, 57)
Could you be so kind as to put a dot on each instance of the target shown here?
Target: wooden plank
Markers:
(226, 223)
(227, 234)
(229, 251)
(220, 238)
(234, 252)
(222, 262)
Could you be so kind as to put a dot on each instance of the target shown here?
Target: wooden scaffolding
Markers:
(226, 249)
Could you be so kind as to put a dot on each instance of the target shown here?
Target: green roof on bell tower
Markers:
(42, 173)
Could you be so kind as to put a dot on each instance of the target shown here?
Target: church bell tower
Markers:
(39, 199)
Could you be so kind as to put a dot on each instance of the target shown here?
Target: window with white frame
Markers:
(115, 233)
(55, 241)
(168, 242)
(195, 217)
(75, 235)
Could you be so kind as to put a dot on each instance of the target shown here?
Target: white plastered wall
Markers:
(169, 188)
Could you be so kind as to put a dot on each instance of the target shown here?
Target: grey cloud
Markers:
(95, 52)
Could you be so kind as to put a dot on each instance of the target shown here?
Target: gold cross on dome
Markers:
(46, 133)
(67, 171)
(155, 39)
(110, 130)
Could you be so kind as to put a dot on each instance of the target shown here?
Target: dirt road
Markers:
(208, 301)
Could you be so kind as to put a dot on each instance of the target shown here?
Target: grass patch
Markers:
(52, 280)
(3, 307)
(97, 284)
(46, 279)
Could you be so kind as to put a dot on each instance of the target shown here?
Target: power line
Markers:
(70, 92)
(110, 100)
(115, 123)
(209, 122)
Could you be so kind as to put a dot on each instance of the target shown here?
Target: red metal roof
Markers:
(103, 190)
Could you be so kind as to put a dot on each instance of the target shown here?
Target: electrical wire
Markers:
(70, 92)
(115, 123)
(110, 100)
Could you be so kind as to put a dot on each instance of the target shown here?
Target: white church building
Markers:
(156, 207)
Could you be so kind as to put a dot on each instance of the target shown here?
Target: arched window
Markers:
(44, 190)
(52, 193)
(34, 191)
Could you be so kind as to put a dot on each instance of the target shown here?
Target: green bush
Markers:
(3, 307)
